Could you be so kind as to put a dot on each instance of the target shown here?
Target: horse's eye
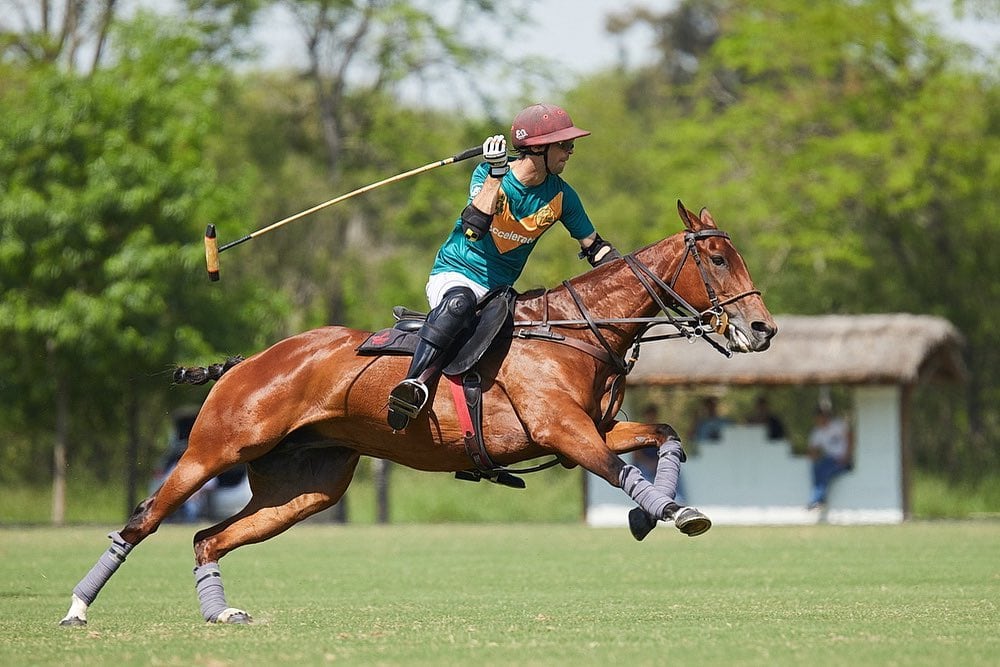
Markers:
(718, 260)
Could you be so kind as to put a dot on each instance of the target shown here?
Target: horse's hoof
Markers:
(233, 617)
(73, 622)
(640, 523)
(692, 522)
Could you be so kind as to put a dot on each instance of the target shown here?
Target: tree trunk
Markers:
(132, 455)
(381, 477)
(59, 450)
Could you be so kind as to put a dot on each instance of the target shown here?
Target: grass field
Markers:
(515, 594)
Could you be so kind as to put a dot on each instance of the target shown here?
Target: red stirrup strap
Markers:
(461, 406)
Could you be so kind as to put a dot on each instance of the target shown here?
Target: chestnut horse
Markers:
(302, 412)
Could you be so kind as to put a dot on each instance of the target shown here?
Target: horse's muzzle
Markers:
(754, 338)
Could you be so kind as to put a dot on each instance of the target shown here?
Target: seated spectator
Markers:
(709, 423)
(831, 447)
(763, 416)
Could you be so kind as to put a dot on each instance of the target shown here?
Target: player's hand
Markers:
(495, 153)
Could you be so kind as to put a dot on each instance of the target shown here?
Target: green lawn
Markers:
(923, 593)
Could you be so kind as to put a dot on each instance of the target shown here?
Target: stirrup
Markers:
(501, 477)
(406, 401)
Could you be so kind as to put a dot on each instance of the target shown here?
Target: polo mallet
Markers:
(212, 248)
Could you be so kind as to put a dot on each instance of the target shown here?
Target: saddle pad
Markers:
(389, 341)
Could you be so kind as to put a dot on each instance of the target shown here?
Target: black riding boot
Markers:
(444, 323)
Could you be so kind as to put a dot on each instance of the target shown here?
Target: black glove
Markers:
(599, 252)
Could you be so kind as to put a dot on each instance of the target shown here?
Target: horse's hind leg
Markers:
(287, 488)
(182, 482)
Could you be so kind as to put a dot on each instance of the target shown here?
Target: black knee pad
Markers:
(459, 302)
(450, 317)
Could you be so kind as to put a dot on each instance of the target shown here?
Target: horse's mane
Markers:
(532, 294)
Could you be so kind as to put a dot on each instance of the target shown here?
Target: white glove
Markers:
(495, 153)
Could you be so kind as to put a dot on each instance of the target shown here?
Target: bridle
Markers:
(689, 322)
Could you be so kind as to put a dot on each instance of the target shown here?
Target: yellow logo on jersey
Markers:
(510, 232)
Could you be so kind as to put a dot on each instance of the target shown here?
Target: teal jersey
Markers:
(523, 214)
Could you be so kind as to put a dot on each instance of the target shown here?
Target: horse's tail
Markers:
(203, 374)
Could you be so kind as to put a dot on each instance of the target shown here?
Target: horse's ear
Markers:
(707, 220)
(687, 217)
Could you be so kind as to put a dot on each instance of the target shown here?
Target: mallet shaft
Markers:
(212, 248)
(464, 155)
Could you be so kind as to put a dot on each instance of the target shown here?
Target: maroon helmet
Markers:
(542, 124)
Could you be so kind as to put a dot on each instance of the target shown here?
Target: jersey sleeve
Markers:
(478, 178)
(574, 217)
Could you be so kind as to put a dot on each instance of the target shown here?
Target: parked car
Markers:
(220, 497)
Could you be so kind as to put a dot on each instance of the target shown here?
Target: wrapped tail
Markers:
(203, 374)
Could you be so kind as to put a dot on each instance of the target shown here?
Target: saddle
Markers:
(494, 316)
(493, 324)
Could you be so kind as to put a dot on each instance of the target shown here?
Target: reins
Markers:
(676, 312)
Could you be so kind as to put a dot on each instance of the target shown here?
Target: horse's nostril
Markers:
(764, 328)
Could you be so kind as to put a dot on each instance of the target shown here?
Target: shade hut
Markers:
(881, 358)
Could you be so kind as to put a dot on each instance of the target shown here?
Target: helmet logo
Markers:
(521, 133)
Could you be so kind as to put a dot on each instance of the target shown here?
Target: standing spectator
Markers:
(831, 447)
(763, 416)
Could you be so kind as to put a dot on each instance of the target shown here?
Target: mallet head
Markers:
(212, 253)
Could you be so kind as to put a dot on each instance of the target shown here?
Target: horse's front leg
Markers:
(629, 436)
(573, 434)
(625, 437)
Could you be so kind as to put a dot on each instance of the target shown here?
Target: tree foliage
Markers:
(104, 189)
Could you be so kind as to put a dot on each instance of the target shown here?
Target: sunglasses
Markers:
(565, 145)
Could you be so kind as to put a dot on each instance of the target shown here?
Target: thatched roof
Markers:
(825, 349)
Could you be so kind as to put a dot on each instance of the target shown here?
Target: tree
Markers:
(105, 193)
(362, 56)
(72, 33)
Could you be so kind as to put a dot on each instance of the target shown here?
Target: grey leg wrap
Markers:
(651, 499)
(211, 596)
(668, 467)
(642, 519)
(106, 565)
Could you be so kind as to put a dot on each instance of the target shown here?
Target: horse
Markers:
(302, 412)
